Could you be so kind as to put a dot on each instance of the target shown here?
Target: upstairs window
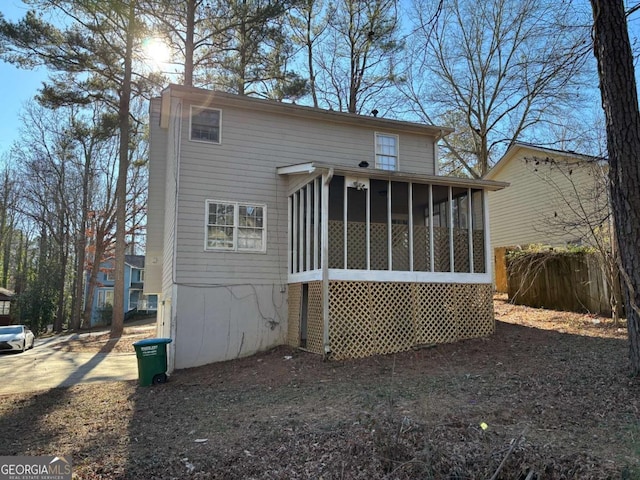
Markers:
(205, 124)
(386, 151)
(236, 226)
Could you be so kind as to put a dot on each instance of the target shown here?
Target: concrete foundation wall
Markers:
(218, 323)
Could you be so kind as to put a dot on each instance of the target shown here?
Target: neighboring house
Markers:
(134, 299)
(6, 297)
(272, 223)
(555, 198)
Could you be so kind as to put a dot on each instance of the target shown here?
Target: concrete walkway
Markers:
(44, 367)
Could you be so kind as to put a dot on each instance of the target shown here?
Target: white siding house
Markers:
(272, 223)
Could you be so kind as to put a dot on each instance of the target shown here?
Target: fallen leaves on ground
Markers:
(548, 397)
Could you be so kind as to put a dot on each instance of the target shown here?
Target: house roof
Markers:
(517, 148)
(312, 167)
(206, 97)
(135, 261)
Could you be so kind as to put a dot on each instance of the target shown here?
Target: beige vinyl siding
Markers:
(245, 171)
(155, 203)
(171, 184)
(525, 212)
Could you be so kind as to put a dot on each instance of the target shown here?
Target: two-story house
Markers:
(134, 299)
(555, 198)
(272, 223)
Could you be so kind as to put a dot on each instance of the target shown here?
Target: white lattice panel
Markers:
(392, 317)
(314, 318)
(293, 314)
(368, 318)
(350, 326)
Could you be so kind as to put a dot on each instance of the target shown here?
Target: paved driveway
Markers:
(43, 367)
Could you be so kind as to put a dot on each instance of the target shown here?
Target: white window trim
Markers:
(110, 275)
(376, 153)
(198, 107)
(102, 297)
(236, 213)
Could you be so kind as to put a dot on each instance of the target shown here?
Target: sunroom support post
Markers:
(290, 233)
(488, 263)
(452, 262)
(410, 194)
(345, 226)
(307, 236)
(368, 227)
(295, 228)
(316, 222)
(301, 230)
(432, 263)
(389, 226)
(324, 259)
(470, 228)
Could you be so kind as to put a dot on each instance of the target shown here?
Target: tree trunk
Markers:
(117, 320)
(91, 284)
(312, 74)
(81, 247)
(620, 103)
(189, 44)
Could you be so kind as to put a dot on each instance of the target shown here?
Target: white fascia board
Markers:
(296, 169)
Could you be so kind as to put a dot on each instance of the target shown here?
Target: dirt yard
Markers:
(547, 397)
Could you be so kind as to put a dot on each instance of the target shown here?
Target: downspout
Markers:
(325, 263)
(173, 316)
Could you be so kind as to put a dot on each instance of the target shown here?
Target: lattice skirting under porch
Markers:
(368, 318)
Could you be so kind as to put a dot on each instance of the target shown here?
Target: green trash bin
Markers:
(152, 360)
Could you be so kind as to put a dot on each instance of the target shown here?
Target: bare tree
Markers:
(309, 20)
(359, 55)
(620, 103)
(578, 207)
(496, 69)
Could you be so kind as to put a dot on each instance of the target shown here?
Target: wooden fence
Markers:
(558, 280)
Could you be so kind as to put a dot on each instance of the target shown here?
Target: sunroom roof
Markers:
(320, 167)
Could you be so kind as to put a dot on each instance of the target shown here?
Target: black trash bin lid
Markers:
(152, 341)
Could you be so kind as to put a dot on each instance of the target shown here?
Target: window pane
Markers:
(250, 216)
(386, 163)
(220, 237)
(221, 214)
(250, 239)
(205, 125)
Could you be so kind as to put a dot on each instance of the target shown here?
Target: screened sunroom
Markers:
(381, 262)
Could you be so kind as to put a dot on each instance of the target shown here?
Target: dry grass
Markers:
(564, 398)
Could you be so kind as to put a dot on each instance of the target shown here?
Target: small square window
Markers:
(205, 124)
(386, 151)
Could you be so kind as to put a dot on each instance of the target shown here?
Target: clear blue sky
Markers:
(17, 86)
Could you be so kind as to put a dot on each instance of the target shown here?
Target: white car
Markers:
(16, 337)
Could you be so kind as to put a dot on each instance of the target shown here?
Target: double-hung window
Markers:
(386, 151)
(236, 226)
(205, 124)
(105, 298)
